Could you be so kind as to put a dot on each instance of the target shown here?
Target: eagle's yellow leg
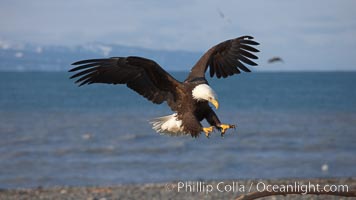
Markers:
(224, 127)
(208, 130)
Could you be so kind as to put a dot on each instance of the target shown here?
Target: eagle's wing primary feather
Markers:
(142, 75)
(226, 58)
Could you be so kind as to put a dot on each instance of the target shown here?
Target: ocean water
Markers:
(288, 125)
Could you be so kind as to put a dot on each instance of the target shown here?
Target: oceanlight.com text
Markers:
(300, 188)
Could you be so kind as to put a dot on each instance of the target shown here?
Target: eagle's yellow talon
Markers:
(208, 130)
(224, 127)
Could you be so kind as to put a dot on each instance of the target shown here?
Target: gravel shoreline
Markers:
(224, 189)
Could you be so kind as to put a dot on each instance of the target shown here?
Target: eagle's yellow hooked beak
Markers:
(215, 103)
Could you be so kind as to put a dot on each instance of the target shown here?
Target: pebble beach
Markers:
(171, 190)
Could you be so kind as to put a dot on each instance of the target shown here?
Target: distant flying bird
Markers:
(222, 15)
(189, 100)
(275, 59)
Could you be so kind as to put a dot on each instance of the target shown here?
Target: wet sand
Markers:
(228, 189)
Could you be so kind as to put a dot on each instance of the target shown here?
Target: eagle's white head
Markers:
(205, 92)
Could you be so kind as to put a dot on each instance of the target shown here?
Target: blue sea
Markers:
(289, 125)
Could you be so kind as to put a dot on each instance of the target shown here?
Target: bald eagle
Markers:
(189, 100)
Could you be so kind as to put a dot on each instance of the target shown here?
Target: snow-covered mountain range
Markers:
(32, 57)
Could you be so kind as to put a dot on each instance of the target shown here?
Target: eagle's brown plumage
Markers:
(148, 79)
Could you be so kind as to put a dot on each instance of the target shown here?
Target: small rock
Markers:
(63, 191)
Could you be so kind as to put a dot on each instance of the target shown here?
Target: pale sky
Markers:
(307, 34)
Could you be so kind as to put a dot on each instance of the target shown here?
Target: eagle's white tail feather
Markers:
(168, 125)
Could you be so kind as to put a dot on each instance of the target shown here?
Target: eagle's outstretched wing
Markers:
(226, 58)
(142, 75)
